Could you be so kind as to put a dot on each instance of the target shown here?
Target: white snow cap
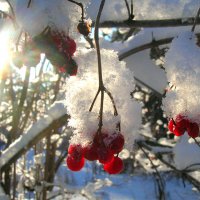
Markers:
(61, 14)
(182, 67)
(82, 89)
(186, 154)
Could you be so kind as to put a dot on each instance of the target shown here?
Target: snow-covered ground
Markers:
(137, 186)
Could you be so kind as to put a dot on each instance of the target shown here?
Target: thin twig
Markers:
(96, 36)
(101, 112)
(160, 183)
(197, 143)
(128, 9)
(18, 111)
(190, 166)
(6, 14)
(82, 9)
(92, 105)
(29, 4)
(132, 15)
(179, 172)
(11, 8)
(101, 85)
(148, 23)
(101, 88)
(18, 40)
(112, 100)
(195, 21)
(144, 47)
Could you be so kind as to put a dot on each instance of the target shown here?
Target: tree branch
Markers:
(25, 142)
(149, 23)
(149, 45)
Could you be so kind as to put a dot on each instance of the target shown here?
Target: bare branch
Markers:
(195, 21)
(128, 9)
(149, 23)
(144, 47)
(26, 141)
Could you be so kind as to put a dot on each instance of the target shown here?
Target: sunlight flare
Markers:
(4, 53)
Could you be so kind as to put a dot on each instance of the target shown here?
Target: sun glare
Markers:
(4, 6)
(4, 52)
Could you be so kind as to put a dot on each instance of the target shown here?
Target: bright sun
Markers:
(4, 53)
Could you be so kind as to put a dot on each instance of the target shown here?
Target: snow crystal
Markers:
(186, 154)
(182, 67)
(82, 89)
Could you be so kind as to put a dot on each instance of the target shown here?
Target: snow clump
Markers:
(82, 89)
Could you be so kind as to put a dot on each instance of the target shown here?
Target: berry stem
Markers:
(29, 4)
(128, 9)
(96, 36)
(197, 143)
(101, 85)
(92, 105)
(102, 88)
(101, 112)
(174, 122)
(112, 100)
(132, 15)
(11, 8)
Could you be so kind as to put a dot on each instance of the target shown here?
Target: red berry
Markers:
(76, 151)
(90, 152)
(115, 166)
(182, 122)
(171, 125)
(73, 164)
(56, 36)
(62, 69)
(114, 142)
(71, 45)
(193, 129)
(179, 131)
(105, 155)
(179, 126)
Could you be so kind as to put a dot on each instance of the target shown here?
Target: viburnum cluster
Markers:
(48, 26)
(57, 46)
(182, 101)
(91, 143)
(104, 148)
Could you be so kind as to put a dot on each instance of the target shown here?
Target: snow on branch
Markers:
(148, 45)
(149, 23)
(55, 118)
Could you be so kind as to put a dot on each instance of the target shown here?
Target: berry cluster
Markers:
(59, 49)
(182, 124)
(103, 148)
